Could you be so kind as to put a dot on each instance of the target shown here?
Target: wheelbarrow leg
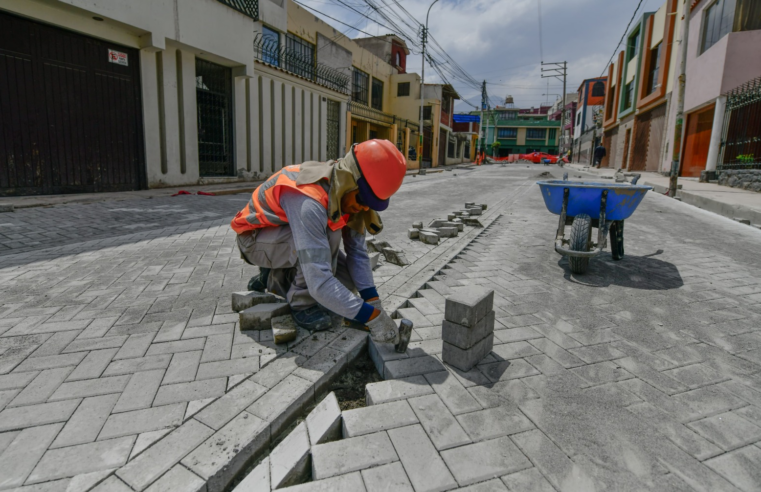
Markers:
(561, 223)
(617, 239)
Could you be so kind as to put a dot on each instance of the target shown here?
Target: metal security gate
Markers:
(333, 129)
(70, 112)
(214, 100)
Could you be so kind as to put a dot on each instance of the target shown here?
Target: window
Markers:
(536, 133)
(598, 89)
(655, 65)
(446, 103)
(359, 87)
(628, 95)
(507, 133)
(717, 22)
(398, 59)
(271, 49)
(632, 47)
(403, 89)
(578, 118)
(426, 112)
(303, 62)
(747, 15)
(377, 97)
(553, 133)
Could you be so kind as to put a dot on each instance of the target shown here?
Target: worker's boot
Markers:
(315, 318)
(259, 282)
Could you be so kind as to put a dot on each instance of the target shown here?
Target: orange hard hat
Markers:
(383, 168)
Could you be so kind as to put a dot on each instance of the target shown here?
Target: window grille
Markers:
(359, 87)
(302, 63)
(377, 97)
(507, 133)
(403, 89)
(536, 133)
(214, 111)
(333, 129)
(271, 46)
(245, 7)
(598, 89)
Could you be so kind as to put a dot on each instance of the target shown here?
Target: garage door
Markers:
(70, 112)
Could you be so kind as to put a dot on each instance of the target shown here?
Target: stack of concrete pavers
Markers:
(468, 327)
(264, 311)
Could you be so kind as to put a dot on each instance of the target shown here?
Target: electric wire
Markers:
(622, 38)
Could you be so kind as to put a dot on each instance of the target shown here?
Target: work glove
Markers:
(383, 329)
(376, 303)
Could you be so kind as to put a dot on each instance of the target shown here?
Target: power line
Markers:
(622, 38)
(333, 18)
(541, 48)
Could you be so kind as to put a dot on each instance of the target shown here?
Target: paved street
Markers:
(116, 331)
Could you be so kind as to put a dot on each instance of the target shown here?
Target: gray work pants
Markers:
(273, 247)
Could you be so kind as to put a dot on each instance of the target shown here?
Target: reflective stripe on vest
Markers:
(264, 210)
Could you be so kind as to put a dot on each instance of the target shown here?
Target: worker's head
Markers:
(382, 167)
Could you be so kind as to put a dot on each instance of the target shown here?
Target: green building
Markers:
(520, 131)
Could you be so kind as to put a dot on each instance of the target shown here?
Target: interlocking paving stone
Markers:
(196, 390)
(397, 369)
(425, 468)
(377, 418)
(82, 458)
(50, 362)
(183, 367)
(221, 411)
(397, 389)
(90, 387)
(494, 422)
(289, 461)
(95, 344)
(494, 485)
(742, 467)
(86, 422)
(502, 371)
(708, 401)
(135, 346)
(530, 479)
(39, 390)
(441, 426)
(728, 430)
(178, 346)
(258, 480)
(152, 463)
(283, 402)
(351, 482)
(452, 393)
(658, 379)
(353, 454)
(139, 421)
(16, 380)
(93, 365)
(225, 453)
(386, 478)
(484, 460)
(23, 453)
(140, 391)
(177, 479)
(222, 368)
(602, 372)
(696, 375)
(32, 415)
(217, 348)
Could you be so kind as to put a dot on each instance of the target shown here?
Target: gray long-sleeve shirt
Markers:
(308, 220)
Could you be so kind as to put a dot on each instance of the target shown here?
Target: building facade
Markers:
(568, 118)
(520, 131)
(587, 131)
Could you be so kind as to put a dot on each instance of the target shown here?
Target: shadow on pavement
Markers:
(635, 272)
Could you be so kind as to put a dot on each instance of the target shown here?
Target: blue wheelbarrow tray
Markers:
(584, 197)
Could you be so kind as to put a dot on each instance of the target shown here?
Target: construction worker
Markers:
(293, 226)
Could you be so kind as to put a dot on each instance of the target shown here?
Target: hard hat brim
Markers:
(367, 197)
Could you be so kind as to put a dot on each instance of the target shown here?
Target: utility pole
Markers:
(556, 70)
(424, 35)
(678, 127)
(481, 139)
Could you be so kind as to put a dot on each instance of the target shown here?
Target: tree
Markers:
(494, 148)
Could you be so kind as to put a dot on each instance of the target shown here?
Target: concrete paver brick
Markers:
(323, 367)
(441, 426)
(513, 369)
(82, 458)
(742, 467)
(324, 421)
(484, 460)
(39, 390)
(86, 422)
(90, 387)
(197, 390)
(398, 389)
(657, 379)
(112, 484)
(16, 380)
(494, 485)
(602, 372)
(50, 362)
(217, 348)
(170, 331)
(139, 364)
(425, 468)
(221, 368)
(55, 344)
(706, 401)
(466, 337)
(281, 404)
(377, 418)
(397, 369)
(33, 415)
(246, 299)
(465, 360)
(178, 479)
(95, 344)
(176, 346)
(696, 375)
(225, 453)
(135, 346)
(140, 391)
(351, 482)
(139, 421)
(277, 370)
(258, 480)
(93, 365)
(353, 454)
(467, 306)
(159, 458)
(530, 479)
(728, 430)
(386, 478)
(259, 317)
(221, 411)
(494, 422)
(516, 334)
(452, 393)
(428, 237)
(556, 352)
(289, 461)
(23, 453)
(183, 367)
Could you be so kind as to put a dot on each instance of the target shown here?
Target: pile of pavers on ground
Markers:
(453, 225)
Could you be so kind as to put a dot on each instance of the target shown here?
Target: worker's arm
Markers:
(308, 220)
(358, 263)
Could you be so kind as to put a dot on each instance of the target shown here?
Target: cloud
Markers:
(498, 41)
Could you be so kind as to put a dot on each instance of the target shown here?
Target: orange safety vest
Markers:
(264, 210)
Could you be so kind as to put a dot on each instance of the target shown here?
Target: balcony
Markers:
(529, 123)
(245, 7)
(446, 118)
(271, 53)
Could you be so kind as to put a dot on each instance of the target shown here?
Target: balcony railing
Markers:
(741, 136)
(270, 52)
(368, 113)
(245, 7)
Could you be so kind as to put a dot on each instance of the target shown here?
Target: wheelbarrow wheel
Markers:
(581, 231)
(617, 240)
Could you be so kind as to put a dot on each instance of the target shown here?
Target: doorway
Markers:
(214, 100)
(627, 141)
(697, 141)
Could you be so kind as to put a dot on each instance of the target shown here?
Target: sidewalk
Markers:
(49, 200)
(733, 203)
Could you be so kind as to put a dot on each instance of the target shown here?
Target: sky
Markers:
(499, 40)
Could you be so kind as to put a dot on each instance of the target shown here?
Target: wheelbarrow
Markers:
(584, 205)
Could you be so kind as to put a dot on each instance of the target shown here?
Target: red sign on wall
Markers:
(118, 57)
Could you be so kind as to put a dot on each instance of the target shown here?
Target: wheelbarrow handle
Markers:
(576, 254)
